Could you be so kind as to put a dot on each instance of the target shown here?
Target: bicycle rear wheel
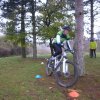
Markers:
(69, 78)
(49, 67)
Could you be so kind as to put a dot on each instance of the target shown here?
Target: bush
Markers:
(7, 48)
(4, 52)
(16, 51)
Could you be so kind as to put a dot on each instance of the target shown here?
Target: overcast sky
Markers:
(96, 22)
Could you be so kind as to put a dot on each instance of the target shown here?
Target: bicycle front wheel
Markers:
(69, 78)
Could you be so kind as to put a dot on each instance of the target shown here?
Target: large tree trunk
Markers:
(34, 29)
(23, 31)
(78, 46)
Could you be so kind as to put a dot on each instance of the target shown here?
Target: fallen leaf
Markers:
(50, 88)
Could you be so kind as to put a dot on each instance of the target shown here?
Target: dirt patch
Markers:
(87, 86)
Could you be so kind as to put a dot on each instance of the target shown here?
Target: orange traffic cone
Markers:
(73, 95)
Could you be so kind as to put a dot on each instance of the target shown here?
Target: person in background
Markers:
(93, 46)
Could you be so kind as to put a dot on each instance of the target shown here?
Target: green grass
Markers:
(17, 80)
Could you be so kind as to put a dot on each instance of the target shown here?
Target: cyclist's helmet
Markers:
(66, 27)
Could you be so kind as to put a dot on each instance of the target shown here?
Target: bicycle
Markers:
(65, 71)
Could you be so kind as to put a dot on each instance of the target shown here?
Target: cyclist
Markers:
(61, 36)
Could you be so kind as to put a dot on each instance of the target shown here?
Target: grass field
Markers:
(18, 82)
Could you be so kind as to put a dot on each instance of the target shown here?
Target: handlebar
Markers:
(71, 51)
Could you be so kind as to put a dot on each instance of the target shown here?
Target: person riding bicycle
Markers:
(65, 71)
(61, 36)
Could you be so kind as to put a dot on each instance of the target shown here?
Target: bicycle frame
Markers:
(64, 70)
(63, 60)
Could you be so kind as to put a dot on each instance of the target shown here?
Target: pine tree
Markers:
(17, 8)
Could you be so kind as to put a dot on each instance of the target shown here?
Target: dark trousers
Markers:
(93, 53)
(57, 49)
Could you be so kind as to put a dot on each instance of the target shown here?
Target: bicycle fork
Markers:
(65, 65)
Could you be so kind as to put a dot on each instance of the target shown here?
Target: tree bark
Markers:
(78, 46)
(34, 29)
(92, 20)
(23, 31)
